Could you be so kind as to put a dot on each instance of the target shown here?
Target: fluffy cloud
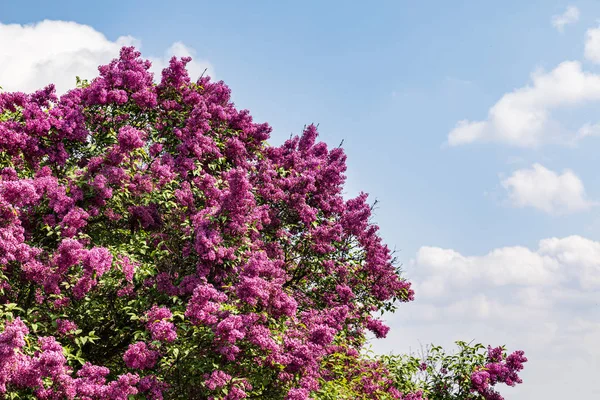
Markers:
(547, 190)
(570, 16)
(592, 45)
(442, 272)
(32, 56)
(523, 117)
(543, 300)
(588, 130)
(575, 259)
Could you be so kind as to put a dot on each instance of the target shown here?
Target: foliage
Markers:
(153, 245)
(470, 373)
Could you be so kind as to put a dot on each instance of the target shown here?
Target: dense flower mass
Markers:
(497, 369)
(153, 244)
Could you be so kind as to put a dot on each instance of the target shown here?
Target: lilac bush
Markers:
(153, 245)
(471, 373)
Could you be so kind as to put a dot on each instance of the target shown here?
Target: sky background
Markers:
(495, 218)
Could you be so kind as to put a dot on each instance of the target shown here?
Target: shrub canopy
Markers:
(152, 244)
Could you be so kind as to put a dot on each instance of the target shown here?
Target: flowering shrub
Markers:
(153, 245)
(471, 373)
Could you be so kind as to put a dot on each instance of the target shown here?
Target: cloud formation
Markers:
(543, 300)
(523, 117)
(592, 45)
(556, 261)
(34, 55)
(570, 16)
(546, 190)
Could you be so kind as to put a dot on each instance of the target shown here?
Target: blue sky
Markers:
(392, 79)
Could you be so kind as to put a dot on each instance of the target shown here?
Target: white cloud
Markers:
(523, 117)
(570, 16)
(544, 301)
(592, 45)
(580, 257)
(447, 270)
(586, 130)
(562, 273)
(546, 190)
(32, 56)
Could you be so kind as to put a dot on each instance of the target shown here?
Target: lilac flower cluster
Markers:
(159, 327)
(497, 370)
(139, 356)
(18, 370)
